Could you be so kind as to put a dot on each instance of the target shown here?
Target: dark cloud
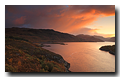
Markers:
(59, 17)
(96, 9)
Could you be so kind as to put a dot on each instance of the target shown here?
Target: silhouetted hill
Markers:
(110, 39)
(88, 38)
(46, 35)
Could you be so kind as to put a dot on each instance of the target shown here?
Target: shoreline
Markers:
(43, 44)
(60, 60)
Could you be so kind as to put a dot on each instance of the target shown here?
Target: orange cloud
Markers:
(93, 30)
(20, 20)
(58, 17)
(79, 23)
(107, 35)
(84, 17)
(89, 31)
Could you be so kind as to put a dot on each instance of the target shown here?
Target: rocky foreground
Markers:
(110, 49)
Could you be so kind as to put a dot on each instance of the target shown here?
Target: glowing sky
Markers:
(73, 19)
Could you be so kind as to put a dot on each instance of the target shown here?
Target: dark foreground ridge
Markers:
(23, 56)
(110, 49)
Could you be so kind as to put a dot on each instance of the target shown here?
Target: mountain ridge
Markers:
(47, 35)
(110, 39)
(88, 38)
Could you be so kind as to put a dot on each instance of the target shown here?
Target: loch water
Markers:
(85, 56)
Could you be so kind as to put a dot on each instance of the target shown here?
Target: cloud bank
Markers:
(62, 18)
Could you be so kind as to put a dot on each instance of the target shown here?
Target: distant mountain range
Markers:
(110, 39)
(48, 35)
(88, 38)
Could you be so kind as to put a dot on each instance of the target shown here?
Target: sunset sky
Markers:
(72, 19)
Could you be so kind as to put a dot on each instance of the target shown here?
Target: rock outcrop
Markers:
(58, 58)
(110, 49)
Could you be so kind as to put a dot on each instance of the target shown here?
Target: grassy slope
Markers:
(23, 56)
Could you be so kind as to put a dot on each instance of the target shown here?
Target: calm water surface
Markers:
(85, 56)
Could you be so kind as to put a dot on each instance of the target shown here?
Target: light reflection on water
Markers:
(85, 56)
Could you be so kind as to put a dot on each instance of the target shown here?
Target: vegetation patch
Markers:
(24, 56)
(15, 38)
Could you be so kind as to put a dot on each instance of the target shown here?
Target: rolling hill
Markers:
(110, 39)
(47, 35)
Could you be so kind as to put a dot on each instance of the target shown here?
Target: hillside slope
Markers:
(24, 56)
(45, 35)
